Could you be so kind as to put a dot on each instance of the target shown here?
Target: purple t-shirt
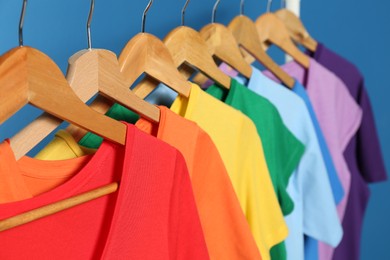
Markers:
(363, 153)
(339, 117)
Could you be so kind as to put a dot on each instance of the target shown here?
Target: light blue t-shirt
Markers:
(315, 212)
(311, 245)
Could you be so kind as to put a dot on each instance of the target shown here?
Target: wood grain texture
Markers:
(188, 48)
(225, 47)
(145, 53)
(271, 30)
(245, 33)
(56, 207)
(28, 76)
(296, 29)
(89, 72)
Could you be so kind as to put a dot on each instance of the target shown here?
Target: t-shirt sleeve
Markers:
(348, 112)
(369, 154)
(186, 239)
(261, 206)
(226, 230)
(320, 215)
(289, 155)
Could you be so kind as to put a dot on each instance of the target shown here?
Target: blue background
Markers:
(357, 29)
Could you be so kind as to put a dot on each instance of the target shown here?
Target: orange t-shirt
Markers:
(226, 230)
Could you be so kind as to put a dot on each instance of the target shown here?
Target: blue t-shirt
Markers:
(314, 186)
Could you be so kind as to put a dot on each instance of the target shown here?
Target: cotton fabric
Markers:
(363, 154)
(159, 222)
(236, 139)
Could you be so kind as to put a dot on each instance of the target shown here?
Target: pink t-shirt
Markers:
(339, 117)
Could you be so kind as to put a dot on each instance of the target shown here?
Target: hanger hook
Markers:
(215, 11)
(183, 11)
(269, 4)
(89, 24)
(242, 7)
(144, 15)
(21, 22)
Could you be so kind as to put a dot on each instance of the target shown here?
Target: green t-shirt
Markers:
(282, 149)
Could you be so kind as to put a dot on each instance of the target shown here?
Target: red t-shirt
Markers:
(151, 216)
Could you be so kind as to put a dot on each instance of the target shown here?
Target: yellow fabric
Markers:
(239, 145)
(62, 147)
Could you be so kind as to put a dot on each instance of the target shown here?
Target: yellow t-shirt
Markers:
(63, 147)
(238, 143)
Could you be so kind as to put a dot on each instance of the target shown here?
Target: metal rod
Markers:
(183, 11)
(214, 13)
(269, 4)
(89, 24)
(242, 7)
(21, 22)
(144, 15)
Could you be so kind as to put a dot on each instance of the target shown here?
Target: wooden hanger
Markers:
(28, 76)
(225, 46)
(296, 29)
(147, 54)
(188, 48)
(271, 30)
(90, 71)
(245, 33)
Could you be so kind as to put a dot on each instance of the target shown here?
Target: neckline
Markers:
(227, 94)
(71, 187)
(301, 74)
(65, 190)
(184, 106)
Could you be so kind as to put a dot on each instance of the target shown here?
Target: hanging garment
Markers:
(237, 141)
(255, 84)
(151, 216)
(363, 153)
(333, 238)
(226, 230)
(315, 211)
(338, 114)
(281, 148)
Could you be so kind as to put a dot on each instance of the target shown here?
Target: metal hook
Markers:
(215, 11)
(269, 6)
(21, 22)
(89, 24)
(183, 11)
(242, 7)
(144, 15)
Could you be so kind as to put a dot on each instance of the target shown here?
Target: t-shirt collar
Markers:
(317, 53)
(225, 95)
(258, 79)
(305, 76)
(155, 129)
(184, 106)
